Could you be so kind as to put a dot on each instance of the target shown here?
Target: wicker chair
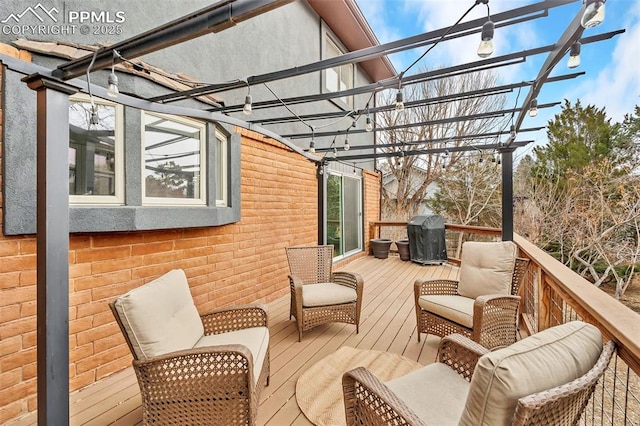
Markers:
(545, 379)
(483, 304)
(318, 295)
(192, 369)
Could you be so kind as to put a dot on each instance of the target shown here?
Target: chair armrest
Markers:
(495, 318)
(368, 401)
(423, 287)
(348, 279)
(234, 318)
(460, 353)
(214, 360)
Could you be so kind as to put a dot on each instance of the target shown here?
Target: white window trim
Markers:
(222, 200)
(329, 40)
(160, 201)
(118, 198)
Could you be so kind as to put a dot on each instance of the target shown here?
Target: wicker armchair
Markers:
(547, 378)
(193, 369)
(318, 295)
(483, 304)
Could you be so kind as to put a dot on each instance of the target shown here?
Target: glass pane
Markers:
(334, 213)
(92, 159)
(172, 158)
(331, 80)
(351, 215)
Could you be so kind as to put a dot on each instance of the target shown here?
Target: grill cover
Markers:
(426, 240)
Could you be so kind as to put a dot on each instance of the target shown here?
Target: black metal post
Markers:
(52, 249)
(322, 202)
(507, 194)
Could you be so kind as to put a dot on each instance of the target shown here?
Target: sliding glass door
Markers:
(344, 213)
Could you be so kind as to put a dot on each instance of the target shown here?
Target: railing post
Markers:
(544, 302)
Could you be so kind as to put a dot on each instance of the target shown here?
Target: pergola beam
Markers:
(479, 116)
(430, 141)
(367, 53)
(389, 154)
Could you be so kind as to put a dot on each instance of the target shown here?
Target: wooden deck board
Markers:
(387, 323)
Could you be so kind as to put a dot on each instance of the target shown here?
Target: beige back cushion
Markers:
(486, 268)
(545, 360)
(160, 316)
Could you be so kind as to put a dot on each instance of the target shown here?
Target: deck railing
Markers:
(553, 294)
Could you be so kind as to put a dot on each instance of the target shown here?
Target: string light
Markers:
(368, 125)
(533, 108)
(399, 101)
(485, 49)
(593, 14)
(346, 143)
(112, 81)
(335, 152)
(574, 55)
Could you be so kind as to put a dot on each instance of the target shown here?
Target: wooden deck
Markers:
(387, 324)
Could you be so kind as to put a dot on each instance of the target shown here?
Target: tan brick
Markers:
(28, 309)
(10, 345)
(18, 360)
(30, 371)
(79, 381)
(80, 352)
(17, 263)
(11, 411)
(120, 239)
(101, 280)
(112, 367)
(9, 248)
(92, 362)
(111, 266)
(77, 242)
(96, 333)
(28, 278)
(10, 378)
(17, 392)
(9, 280)
(103, 318)
(152, 247)
(9, 313)
(79, 325)
(15, 328)
(28, 246)
(93, 255)
(29, 339)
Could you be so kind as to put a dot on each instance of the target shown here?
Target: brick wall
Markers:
(371, 202)
(237, 263)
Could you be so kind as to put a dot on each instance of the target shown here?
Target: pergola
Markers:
(54, 86)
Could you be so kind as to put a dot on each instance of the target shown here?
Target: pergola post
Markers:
(507, 193)
(52, 212)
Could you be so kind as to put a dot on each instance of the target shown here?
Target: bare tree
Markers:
(409, 177)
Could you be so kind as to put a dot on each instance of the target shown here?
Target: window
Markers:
(96, 160)
(344, 213)
(338, 78)
(173, 171)
(221, 169)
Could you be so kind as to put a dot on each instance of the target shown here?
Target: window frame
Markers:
(221, 168)
(107, 200)
(169, 201)
(331, 42)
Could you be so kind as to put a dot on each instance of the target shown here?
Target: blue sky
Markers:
(612, 67)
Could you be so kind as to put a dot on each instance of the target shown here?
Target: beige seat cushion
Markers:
(545, 360)
(160, 317)
(454, 308)
(256, 339)
(486, 268)
(324, 294)
(435, 393)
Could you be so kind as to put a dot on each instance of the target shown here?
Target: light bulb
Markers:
(312, 146)
(574, 55)
(346, 144)
(486, 45)
(112, 88)
(247, 109)
(368, 126)
(399, 101)
(533, 108)
(335, 152)
(593, 14)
